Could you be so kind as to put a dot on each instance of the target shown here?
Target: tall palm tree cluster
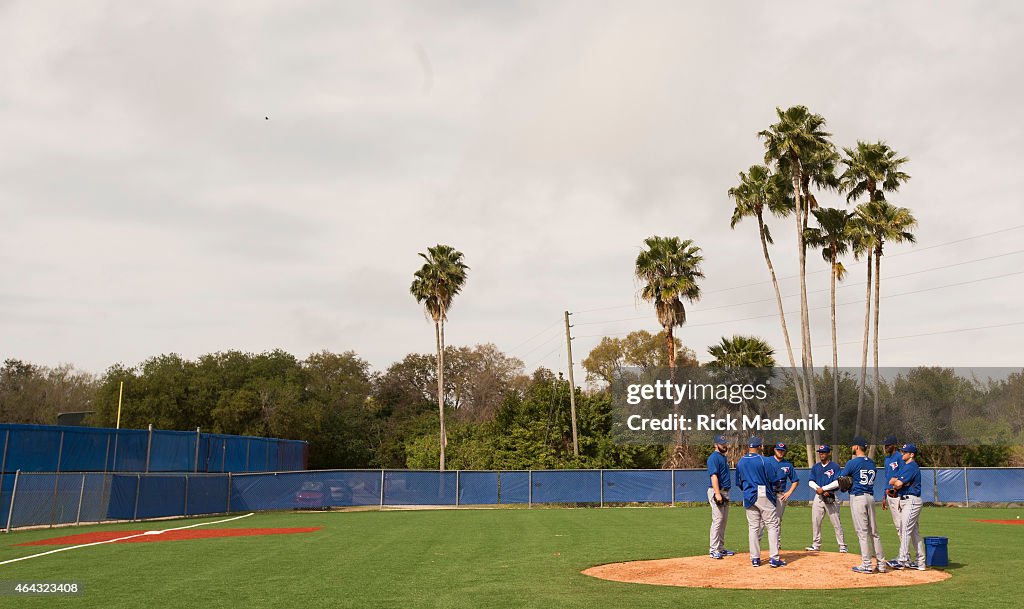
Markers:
(800, 164)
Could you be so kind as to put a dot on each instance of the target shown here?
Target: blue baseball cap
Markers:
(755, 442)
(889, 441)
(720, 440)
(909, 448)
(859, 441)
(781, 446)
(824, 448)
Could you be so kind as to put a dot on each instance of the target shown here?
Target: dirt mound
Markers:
(805, 571)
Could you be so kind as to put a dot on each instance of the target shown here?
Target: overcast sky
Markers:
(148, 206)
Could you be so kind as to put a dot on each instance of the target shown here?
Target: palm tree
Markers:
(800, 148)
(670, 270)
(833, 237)
(872, 169)
(862, 241)
(435, 286)
(761, 190)
(742, 352)
(742, 360)
(887, 224)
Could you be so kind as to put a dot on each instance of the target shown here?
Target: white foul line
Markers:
(98, 543)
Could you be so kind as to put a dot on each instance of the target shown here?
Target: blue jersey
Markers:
(825, 474)
(892, 467)
(753, 471)
(717, 465)
(910, 476)
(787, 475)
(862, 470)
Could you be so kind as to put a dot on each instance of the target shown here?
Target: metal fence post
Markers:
(14, 492)
(3, 464)
(149, 446)
(60, 451)
(138, 485)
(106, 455)
(81, 496)
(529, 496)
(935, 485)
(198, 436)
(248, 445)
(184, 509)
(382, 489)
(229, 493)
(56, 486)
(602, 488)
(499, 487)
(967, 489)
(673, 488)
(457, 481)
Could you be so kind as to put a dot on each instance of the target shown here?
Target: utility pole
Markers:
(572, 387)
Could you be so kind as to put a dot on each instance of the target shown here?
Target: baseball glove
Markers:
(828, 497)
(892, 492)
(845, 483)
(718, 501)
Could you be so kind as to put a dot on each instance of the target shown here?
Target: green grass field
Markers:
(485, 558)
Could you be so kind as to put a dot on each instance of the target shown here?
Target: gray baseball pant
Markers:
(818, 511)
(780, 510)
(894, 511)
(719, 518)
(910, 532)
(763, 513)
(862, 510)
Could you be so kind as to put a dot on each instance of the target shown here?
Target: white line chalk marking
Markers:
(98, 543)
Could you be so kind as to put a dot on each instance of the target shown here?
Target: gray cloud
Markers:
(150, 207)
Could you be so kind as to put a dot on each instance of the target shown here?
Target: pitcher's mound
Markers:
(805, 571)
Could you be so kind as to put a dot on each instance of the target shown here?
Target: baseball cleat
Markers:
(728, 553)
(918, 567)
(716, 555)
(812, 549)
(863, 569)
(895, 565)
(843, 550)
(776, 562)
(882, 568)
(756, 562)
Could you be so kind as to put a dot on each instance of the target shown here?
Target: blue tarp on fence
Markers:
(60, 498)
(52, 448)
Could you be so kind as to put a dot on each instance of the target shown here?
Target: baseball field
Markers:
(475, 558)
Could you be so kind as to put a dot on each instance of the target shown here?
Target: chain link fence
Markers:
(49, 499)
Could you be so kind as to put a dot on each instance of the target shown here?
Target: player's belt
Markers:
(908, 496)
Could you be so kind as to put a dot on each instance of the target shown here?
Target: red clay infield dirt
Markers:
(81, 538)
(805, 571)
(1002, 521)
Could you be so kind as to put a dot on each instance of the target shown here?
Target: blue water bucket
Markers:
(936, 553)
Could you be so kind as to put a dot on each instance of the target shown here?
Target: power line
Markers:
(845, 285)
(525, 342)
(838, 304)
(906, 253)
(1006, 325)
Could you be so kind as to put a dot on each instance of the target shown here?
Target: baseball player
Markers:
(908, 484)
(756, 476)
(719, 484)
(786, 484)
(891, 502)
(824, 472)
(860, 473)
